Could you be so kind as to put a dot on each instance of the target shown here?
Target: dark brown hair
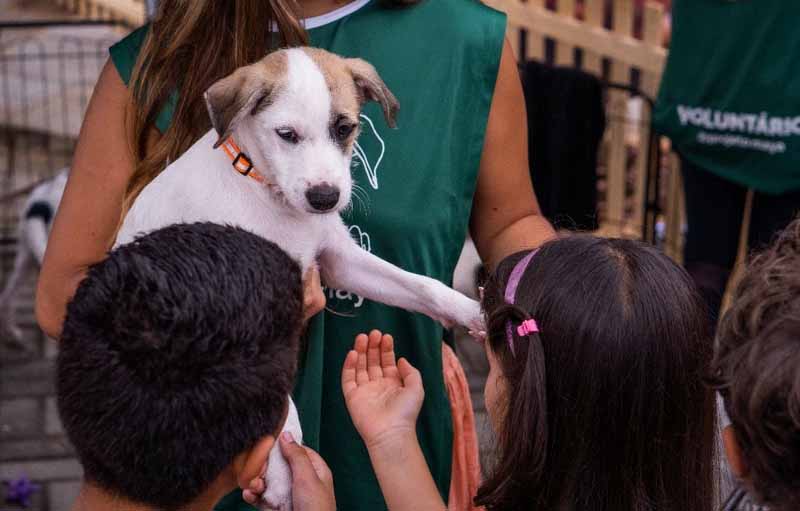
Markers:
(756, 368)
(605, 409)
(190, 45)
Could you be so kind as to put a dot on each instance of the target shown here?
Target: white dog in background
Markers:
(35, 221)
(295, 115)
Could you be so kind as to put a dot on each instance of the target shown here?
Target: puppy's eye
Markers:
(288, 134)
(344, 130)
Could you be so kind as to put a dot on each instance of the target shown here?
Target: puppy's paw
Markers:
(463, 311)
(278, 477)
(278, 495)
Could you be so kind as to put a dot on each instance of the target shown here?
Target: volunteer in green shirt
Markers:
(730, 102)
(456, 163)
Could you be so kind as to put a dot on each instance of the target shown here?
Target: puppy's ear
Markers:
(372, 88)
(240, 94)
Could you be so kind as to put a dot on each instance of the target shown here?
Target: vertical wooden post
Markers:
(513, 36)
(534, 42)
(592, 62)
(653, 23)
(617, 164)
(565, 53)
(674, 211)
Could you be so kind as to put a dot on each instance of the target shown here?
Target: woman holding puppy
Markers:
(457, 163)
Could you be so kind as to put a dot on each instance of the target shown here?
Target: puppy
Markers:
(277, 162)
(35, 221)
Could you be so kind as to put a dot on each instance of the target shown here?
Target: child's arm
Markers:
(384, 399)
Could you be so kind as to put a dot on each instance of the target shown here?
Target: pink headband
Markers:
(528, 326)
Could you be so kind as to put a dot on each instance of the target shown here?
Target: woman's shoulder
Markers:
(125, 52)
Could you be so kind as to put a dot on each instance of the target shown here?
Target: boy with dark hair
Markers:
(756, 369)
(177, 356)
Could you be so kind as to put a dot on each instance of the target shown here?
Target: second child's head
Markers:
(177, 356)
(597, 351)
(756, 368)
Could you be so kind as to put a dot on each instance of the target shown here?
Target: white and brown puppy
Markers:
(295, 115)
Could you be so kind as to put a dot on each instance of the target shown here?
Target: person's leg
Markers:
(771, 214)
(714, 209)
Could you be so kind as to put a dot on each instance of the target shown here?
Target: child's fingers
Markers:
(412, 379)
(349, 372)
(249, 497)
(388, 361)
(374, 356)
(320, 467)
(362, 376)
(297, 457)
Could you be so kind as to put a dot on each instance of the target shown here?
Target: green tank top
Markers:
(440, 58)
(730, 96)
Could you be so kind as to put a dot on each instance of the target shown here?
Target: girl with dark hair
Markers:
(597, 350)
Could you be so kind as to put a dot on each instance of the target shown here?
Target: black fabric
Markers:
(714, 213)
(714, 210)
(566, 121)
(40, 209)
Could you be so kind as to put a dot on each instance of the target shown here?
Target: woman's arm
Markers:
(87, 218)
(505, 214)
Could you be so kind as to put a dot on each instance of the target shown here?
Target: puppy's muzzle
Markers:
(323, 197)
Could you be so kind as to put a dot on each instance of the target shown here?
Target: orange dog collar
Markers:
(241, 162)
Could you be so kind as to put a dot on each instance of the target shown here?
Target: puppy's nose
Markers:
(322, 197)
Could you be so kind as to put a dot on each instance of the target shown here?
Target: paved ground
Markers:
(32, 443)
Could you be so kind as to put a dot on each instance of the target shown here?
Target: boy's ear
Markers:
(250, 464)
(734, 453)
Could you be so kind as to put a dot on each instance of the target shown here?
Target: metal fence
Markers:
(47, 72)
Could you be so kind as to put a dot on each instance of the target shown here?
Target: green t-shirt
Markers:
(440, 58)
(730, 96)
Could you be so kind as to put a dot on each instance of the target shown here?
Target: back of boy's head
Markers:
(606, 407)
(757, 370)
(177, 354)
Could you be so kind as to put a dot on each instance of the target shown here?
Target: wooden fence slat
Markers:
(131, 11)
(616, 176)
(674, 211)
(593, 62)
(513, 36)
(534, 40)
(565, 53)
(651, 34)
(609, 44)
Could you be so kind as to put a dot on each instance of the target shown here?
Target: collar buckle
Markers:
(242, 164)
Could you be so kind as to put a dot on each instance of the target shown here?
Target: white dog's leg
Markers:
(347, 266)
(278, 476)
(22, 263)
(35, 237)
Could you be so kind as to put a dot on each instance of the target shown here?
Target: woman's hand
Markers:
(313, 295)
(383, 397)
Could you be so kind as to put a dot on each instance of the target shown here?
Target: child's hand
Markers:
(312, 482)
(313, 295)
(383, 397)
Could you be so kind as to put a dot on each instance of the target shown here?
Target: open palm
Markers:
(383, 396)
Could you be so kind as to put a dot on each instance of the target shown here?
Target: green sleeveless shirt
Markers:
(440, 58)
(730, 96)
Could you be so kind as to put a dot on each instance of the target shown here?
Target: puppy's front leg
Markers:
(278, 477)
(347, 266)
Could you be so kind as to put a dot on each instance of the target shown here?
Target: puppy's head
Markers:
(297, 114)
